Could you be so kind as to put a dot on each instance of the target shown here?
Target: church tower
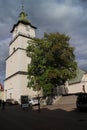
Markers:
(17, 62)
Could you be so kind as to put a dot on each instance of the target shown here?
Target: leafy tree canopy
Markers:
(52, 61)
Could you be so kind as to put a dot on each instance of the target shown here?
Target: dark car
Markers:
(81, 102)
(11, 102)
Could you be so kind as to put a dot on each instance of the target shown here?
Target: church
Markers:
(15, 84)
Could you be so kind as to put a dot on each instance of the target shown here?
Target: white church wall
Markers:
(25, 30)
(20, 42)
(17, 86)
(11, 65)
(17, 62)
(78, 87)
(27, 91)
(74, 88)
(23, 61)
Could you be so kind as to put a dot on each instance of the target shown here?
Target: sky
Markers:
(50, 16)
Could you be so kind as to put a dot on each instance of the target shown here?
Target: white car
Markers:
(33, 102)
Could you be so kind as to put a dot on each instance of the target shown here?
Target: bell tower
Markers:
(15, 83)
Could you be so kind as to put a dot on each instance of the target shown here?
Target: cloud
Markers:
(54, 16)
(4, 46)
(64, 16)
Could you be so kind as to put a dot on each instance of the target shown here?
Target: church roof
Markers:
(23, 19)
(79, 75)
(1, 87)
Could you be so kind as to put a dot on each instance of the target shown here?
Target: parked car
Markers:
(33, 101)
(81, 101)
(11, 102)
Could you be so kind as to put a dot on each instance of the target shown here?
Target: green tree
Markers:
(52, 61)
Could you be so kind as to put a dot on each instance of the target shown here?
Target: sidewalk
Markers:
(60, 116)
(67, 99)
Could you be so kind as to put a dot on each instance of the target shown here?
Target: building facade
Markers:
(1, 92)
(15, 84)
(77, 84)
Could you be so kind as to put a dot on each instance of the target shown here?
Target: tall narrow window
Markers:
(14, 49)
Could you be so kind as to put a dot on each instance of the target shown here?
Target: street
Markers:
(61, 116)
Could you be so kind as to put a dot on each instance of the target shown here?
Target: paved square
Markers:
(60, 116)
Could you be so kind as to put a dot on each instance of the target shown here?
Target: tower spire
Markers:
(22, 18)
(23, 14)
(22, 2)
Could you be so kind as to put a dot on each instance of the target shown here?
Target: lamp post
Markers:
(38, 93)
(38, 103)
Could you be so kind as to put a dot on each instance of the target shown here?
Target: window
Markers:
(14, 49)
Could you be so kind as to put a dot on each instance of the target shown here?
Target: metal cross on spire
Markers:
(22, 2)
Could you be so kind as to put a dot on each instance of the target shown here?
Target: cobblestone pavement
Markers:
(63, 115)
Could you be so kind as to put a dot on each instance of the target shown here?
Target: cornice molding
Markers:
(17, 73)
(20, 34)
(15, 51)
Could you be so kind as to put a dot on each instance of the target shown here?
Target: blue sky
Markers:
(63, 16)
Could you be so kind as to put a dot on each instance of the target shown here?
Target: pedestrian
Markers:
(3, 105)
(84, 88)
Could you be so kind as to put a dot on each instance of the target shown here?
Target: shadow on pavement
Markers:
(49, 118)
